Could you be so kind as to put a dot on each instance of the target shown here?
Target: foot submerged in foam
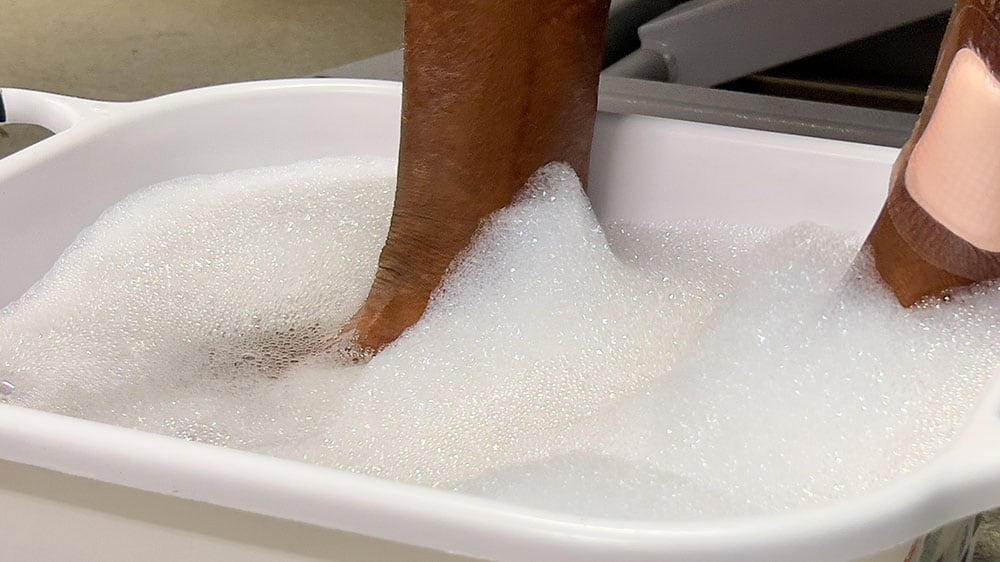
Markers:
(491, 93)
(940, 227)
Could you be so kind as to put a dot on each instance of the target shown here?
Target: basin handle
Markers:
(55, 112)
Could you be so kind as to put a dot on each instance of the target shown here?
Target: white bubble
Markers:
(652, 371)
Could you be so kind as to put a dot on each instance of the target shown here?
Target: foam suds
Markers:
(685, 372)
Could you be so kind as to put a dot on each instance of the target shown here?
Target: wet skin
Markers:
(495, 90)
(492, 91)
(916, 253)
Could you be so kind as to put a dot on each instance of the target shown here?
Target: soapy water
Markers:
(6, 389)
(683, 371)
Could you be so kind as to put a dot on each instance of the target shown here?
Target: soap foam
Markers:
(687, 371)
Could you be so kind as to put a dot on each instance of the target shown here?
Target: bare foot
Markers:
(492, 91)
(940, 227)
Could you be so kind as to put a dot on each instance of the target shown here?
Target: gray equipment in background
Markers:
(709, 42)
(851, 70)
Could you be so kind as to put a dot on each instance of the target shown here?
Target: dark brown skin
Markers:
(916, 255)
(492, 91)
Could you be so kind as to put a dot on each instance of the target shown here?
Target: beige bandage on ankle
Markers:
(954, 171)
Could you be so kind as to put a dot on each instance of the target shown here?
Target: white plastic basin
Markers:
(210, 503)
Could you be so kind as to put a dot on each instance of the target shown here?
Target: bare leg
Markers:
(940, 227)
(492, 91)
